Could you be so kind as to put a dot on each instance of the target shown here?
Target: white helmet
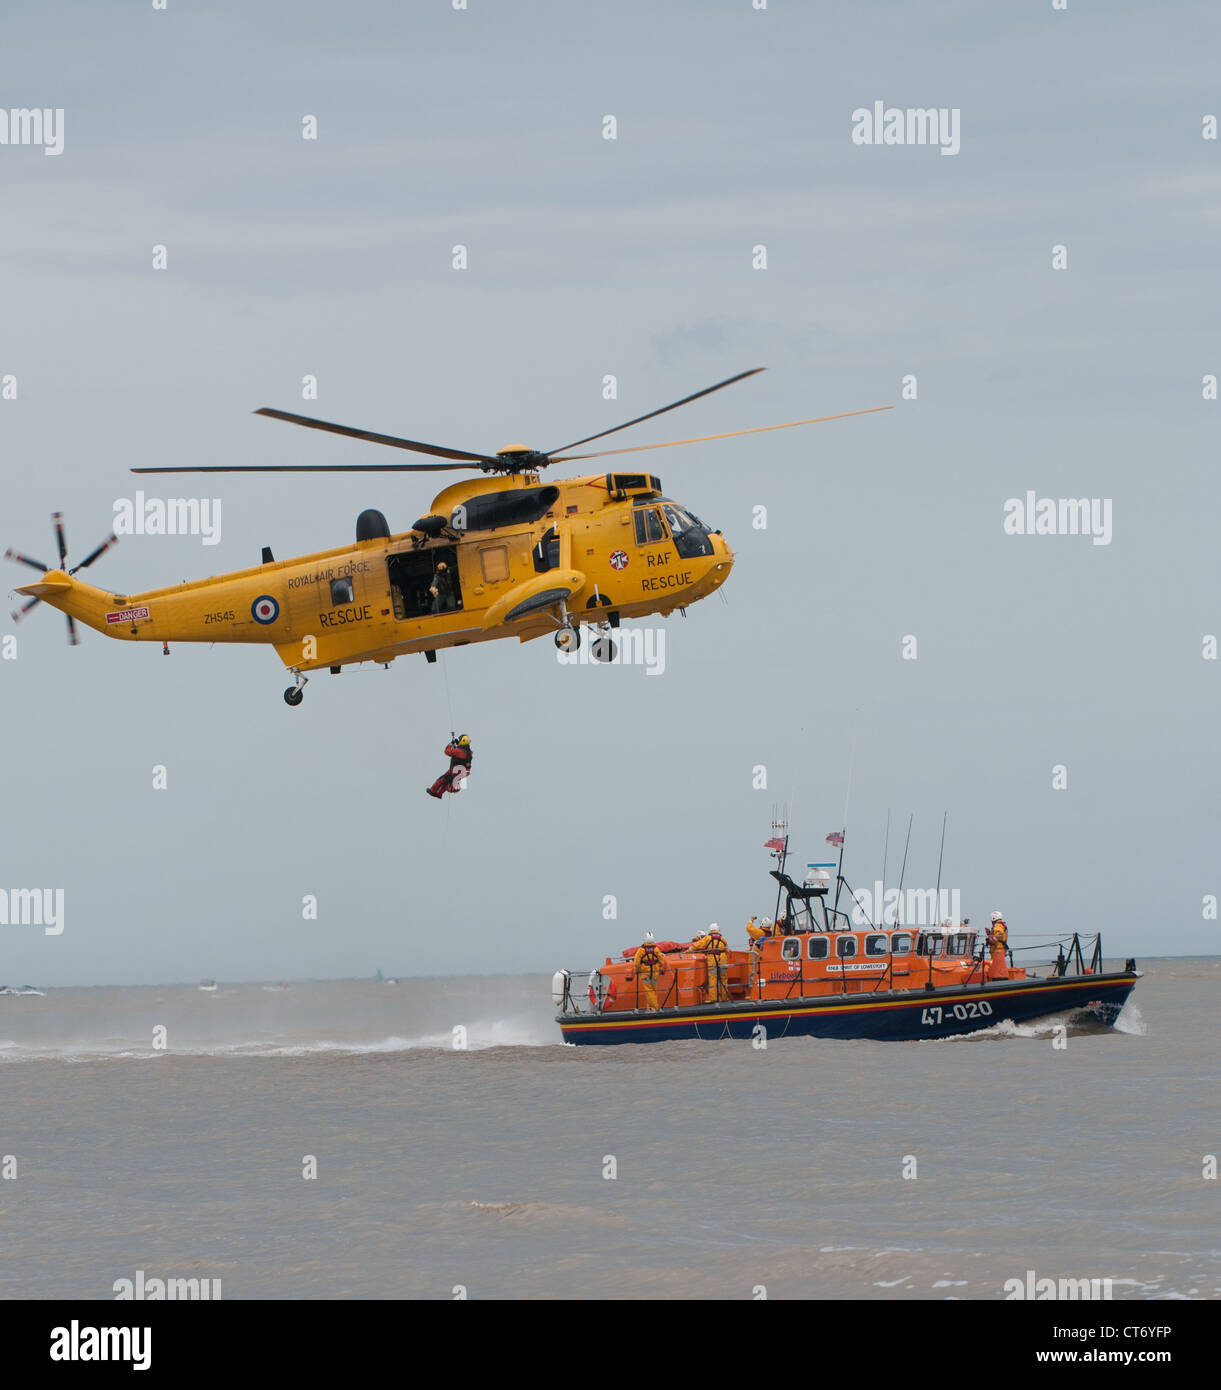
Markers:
(648, 936)
(767, 921)
(998, 916)
(713, 927)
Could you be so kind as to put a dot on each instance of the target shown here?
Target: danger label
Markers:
(127, 615)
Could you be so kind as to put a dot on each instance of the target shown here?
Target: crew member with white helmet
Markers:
(716, 949)
(649, 965)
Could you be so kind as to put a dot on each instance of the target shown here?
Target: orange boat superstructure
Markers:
(809, 964)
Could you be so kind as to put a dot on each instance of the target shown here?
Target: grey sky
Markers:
(630, 257)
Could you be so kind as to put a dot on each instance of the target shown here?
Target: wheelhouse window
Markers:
(875, 944)
(929, 944)
(959, 945)
(799, 916)
(845, 947)
(341, 591)
(901, 944)
(818, 948)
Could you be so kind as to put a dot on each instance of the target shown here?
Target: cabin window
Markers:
(928, 944)
(790, 949)
(901, 944)
(341, 591)
(547, 552)
(875, 944)
(845, 947)
(958, 946)
(494, 561)
(819, 948)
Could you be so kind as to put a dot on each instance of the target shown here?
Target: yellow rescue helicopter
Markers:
(504, 555)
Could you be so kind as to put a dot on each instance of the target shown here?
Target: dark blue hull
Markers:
(886, 1017)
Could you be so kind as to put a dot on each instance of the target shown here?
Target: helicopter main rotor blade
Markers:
(707, 391)
(392, 439)
(319, 468)
(733, 434)
(58, 519)
(73, 636)
(26, 560)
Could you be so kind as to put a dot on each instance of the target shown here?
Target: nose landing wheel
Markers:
(568, 639)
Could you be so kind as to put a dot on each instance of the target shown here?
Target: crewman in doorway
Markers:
(649, 965)
(442, 589)
(458, 751)
(716, 949)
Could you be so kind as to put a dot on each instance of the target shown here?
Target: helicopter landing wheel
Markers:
(568, 639)
(604, 650)
(294, 695)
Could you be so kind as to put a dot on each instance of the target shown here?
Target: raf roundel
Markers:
(265, 609)
(619, 560)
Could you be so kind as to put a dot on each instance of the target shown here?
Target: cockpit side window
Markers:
(655, 529)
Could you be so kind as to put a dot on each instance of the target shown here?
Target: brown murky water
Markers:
(484, 1168)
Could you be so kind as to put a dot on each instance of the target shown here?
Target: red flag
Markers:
(835, 838)
(773, 844)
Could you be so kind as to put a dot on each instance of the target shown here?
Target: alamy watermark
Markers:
(33, 126)
(922, 907)
(173, 516)
(635, 646)
(911, 125)
(33, 907)
(1034, 1287)
(1059, 516)
(144, 1287)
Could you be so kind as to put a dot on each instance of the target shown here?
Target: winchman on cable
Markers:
(458, 751)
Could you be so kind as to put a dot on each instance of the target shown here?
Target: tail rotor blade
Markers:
(26, 560)
(19, 613)
(73, 636)
(95, 554)
(58, 519)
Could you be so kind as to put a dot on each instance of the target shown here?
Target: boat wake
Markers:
(480, 1036)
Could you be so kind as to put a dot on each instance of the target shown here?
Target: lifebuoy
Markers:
(601, 991)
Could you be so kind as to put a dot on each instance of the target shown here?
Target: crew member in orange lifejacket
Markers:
(998, 944)
(649, 965)
(458, 751)
(716, 949)
(758, 932)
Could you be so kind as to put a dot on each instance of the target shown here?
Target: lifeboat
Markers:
(818, 974)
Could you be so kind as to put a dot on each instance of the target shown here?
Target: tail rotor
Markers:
(61, 544)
